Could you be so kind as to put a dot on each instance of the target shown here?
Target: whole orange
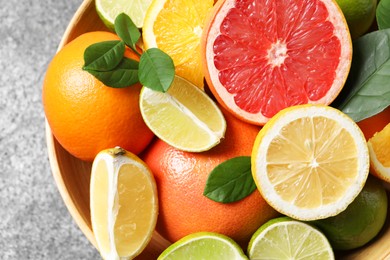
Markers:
(181, 178)
(86, 116)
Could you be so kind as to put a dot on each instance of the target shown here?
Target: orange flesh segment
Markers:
(380, 144)
(276, 54)
(311, 148)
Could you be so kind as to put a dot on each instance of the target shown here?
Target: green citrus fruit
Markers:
(361, 221)
(204, 245)
(360, 14)
(286, 238)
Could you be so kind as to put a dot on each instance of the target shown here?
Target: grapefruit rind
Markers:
(226, 99)
(273, 128)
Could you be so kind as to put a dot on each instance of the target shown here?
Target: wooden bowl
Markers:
(72, 175)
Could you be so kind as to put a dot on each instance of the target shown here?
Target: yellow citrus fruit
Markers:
(359, 15)
(379, 148)
(261, 57)
(124, 203)
(361, 221)
(184, 116)
(181, 179)
(86, 116)
(310, 161)
(175, 26)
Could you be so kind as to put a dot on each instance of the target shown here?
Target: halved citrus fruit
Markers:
(310, 161)
(262, 56)
(379, 148)
(286, 238)
(124, 204)
(176, 28)
(108, 10)
(184, 116)
(204, 245)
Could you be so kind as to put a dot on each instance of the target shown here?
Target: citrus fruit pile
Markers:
(246, 154)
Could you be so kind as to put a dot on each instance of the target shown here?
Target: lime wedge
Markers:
(205, 246)
(135, 9)
(184, 116)
(285, 238)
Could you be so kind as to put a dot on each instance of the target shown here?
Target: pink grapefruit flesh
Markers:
(261, 56)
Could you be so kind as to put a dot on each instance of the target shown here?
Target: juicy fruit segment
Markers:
(310, 161)
(263, 56)
(204, 245)
(176, 27)
(361, 221)
(284, 238)
(378, 146)
(124, 204)
(109, 10)
(184, 117)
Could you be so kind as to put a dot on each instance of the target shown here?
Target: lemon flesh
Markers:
(310, 161)
(124, 204)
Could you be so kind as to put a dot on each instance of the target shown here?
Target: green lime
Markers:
(285, 238)
(361, 221)
(204, 245)
(360, 15)
(108, 10)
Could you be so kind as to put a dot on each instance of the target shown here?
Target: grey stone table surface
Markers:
(34, 222)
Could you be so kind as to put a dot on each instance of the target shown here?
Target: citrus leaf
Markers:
(103, 56)
(382, 14)
(126, 30)
(367, 90)
(124, 75)
(230, 181)
(156, 70)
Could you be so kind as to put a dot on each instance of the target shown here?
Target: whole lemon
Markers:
(360, 15)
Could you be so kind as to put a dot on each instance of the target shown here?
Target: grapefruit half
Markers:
(261, 56)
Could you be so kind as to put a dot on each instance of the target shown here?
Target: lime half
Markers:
(285, 238)
(109, 9)
(184, 116)
(204, 245)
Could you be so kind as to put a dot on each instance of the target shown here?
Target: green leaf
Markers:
(103, 56)
(127, 30)
(383, 14)
(367, 90)
(156, 70)
(230, 181)
(124, 75)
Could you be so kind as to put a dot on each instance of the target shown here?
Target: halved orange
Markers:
(261, 56)
(379, 148)
(175, 26)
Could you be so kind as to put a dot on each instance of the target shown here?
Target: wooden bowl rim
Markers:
(50, 142)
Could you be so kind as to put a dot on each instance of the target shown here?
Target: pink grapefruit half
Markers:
(261, 56)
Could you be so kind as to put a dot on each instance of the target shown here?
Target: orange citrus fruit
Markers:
(181, 179)
(84, 115)
(260, 57)
(176, 28)
(371, 125)
(379, 147)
